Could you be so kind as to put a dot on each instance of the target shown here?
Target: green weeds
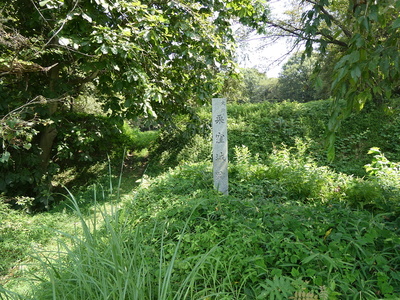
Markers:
(20, 233)
(277, 246)
(170, 242)
(291, 227)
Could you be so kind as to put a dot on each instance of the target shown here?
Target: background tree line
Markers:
(296, 82)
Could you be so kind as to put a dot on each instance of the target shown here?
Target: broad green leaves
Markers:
(174, 49)
(368, 67)
(137, 58)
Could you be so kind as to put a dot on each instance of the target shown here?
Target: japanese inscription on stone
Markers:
(220, 144)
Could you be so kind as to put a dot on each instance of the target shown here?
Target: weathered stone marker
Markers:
(220, 144)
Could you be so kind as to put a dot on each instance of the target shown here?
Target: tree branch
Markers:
(298, 33)
(37, 100)
(332, 18)
(20, 67)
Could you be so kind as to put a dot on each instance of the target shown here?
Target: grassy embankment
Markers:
(293, 226)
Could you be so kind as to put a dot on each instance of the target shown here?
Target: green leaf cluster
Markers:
(142, 57)
(368, 66)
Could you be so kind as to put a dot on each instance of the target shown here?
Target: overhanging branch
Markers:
(18, 67)
(299, 33)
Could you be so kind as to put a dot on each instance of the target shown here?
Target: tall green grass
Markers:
(108, 259)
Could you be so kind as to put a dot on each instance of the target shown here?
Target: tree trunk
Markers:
(46, 144)
(48, 135)
(50, 132)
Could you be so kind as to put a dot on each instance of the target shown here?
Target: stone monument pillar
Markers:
(220, 144)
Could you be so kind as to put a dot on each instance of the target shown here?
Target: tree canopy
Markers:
(363, 37)
(151, 58)
(295, 81)
(139, 55)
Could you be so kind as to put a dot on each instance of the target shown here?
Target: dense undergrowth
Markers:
(267, 126)
(292, 227)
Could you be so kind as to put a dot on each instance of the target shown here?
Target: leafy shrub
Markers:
(198, 149)
(287, 174)
(183, 133)
(300, 176)
(385, 175)
(379, 191)
(381, 168)
(82, 141)
(138, 139)
(22, 176)
(365, 194)
(87, 139)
